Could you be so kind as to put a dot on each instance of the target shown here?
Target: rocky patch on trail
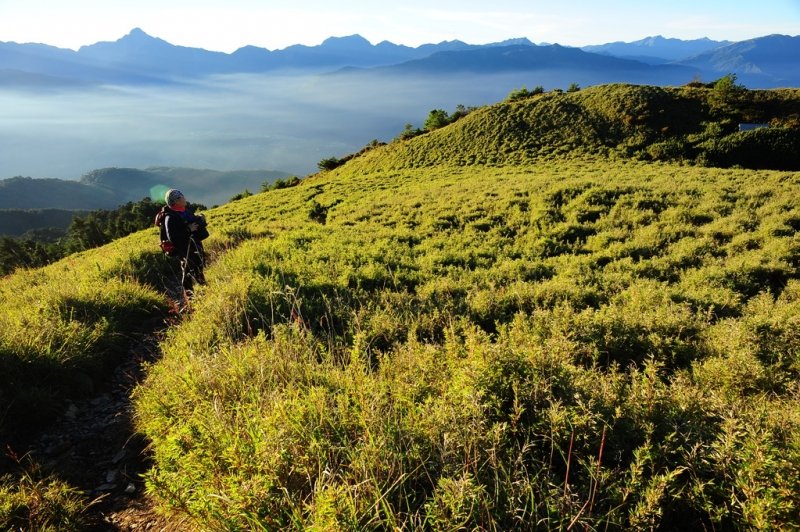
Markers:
(94, 447)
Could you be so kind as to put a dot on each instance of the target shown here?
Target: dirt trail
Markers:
(94, 446)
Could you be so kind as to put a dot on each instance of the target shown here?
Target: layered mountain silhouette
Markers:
(106, 188)
(656, 49)
(29, 193)
(560, 62)
(774, 57)
(140, 58)
(138, 52)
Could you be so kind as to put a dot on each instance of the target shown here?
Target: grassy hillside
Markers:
(695, 124)
(63, 325)
(416, 340)
(604, 344)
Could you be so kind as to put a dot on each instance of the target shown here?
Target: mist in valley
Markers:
(232, 122)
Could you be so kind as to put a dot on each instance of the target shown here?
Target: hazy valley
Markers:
(141, 102)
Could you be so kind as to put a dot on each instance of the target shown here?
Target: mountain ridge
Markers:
(573, 63)
(774, 56)
(657, 48)
(106, 188)
(139, 57)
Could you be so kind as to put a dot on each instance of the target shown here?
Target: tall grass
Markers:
(463, 330)
(63, 327)
(34, 501)
(575, 344)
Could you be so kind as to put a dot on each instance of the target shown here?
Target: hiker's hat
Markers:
(172, 196)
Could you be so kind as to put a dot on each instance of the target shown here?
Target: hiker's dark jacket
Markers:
(176, 225)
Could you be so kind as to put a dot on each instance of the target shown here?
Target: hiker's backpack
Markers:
(161, 221)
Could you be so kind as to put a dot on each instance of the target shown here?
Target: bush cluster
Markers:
(35, 503)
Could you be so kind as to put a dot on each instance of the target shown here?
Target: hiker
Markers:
(185, 231)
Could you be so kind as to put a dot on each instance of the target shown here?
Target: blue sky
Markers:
(226, 25)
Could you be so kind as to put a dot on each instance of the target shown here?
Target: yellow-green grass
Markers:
(47, 504)
(462, 331)
(644, 122)
(63, 326)
(578, 342)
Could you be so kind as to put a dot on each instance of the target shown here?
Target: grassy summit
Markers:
(649, 123)
(418, 340)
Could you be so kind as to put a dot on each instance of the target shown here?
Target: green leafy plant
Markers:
(35, 503)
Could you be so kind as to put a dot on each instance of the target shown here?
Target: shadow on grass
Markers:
(92, 449)
(35, 387)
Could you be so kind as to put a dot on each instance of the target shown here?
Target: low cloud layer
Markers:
(283, 122)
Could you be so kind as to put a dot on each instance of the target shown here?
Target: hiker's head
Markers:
(175, 198)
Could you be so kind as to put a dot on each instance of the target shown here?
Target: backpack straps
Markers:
(167, 246)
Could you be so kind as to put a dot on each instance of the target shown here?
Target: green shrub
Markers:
(329, 164)
(436, 119)
(30, 503)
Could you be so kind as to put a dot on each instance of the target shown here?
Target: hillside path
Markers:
(95, 448)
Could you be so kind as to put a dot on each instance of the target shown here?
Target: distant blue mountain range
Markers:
(106, 188)
(775, 58)
(140, 58)
(560, 65)
(657, 50)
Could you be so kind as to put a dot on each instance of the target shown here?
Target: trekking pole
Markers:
(184, 271)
